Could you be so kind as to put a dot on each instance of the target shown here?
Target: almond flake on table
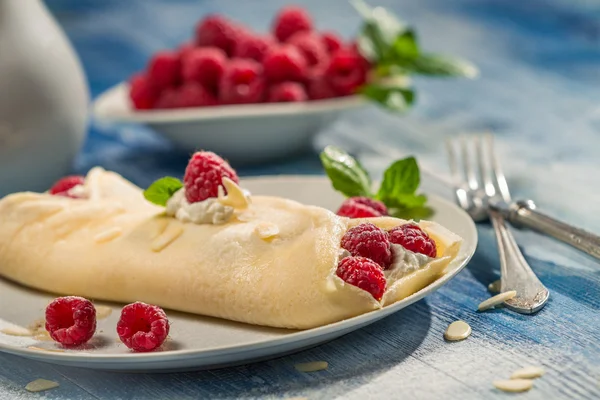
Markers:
(39, 385)
(530, 372)
(311, 366)
(496, 300)
(514, 385)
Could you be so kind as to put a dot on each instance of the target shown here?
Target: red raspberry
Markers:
(242, 82)
(253, 46)
(169, 98)
(63, 185)
(193, 94)
(289, 20)
(367, 240)
(346, 71)
(363, 273)
(217, 31)
(285, 63)
(184, 50)
(331, 41)
(142, 92)
(204, 174)
(413, 238)
(311, 46)
(362, 207)
(319, 88)
(287, 92)
(71, 320)
(205, 65)
(142, 327)
(164, 69)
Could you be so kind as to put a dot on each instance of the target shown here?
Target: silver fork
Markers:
(474, 194)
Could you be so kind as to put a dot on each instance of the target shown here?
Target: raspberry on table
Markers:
(253, 46)
(364, 274)
(287, 92)
(331, 41)
(289, 20)
(204, 174)
(193, 94)
(242, 82)
(346, 71)
(71, 320)
(362, 207)
(143, 327)
(63, 185)
(184, 50)
(319, 89)
(142, 93)
(217, 31)
(367, 240)
(311, 46)
(285, 63)
(413, 238)
(164, 69)
(205, 65)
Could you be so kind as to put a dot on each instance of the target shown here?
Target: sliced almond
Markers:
(458, 330)
(311, 366)
(108, 235)
(235, 197)
(43, 336)
(496, 300)
(513, 385)
(39, 385)
(170, 234)
(266, 230)
(103, 312)
(530, 372)
(17, 331)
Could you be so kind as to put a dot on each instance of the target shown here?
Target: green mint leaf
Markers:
(405, 47)
(400, 180)
(347, 175)
(393, 97)
(408, 201)
(438, 65)
(160, 191)
(415, 213)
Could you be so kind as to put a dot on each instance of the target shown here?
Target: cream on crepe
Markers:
(272, 264)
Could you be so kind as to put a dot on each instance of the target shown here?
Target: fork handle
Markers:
(525, 213)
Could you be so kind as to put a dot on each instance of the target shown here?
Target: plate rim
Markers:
(229, 112)
(298, 335)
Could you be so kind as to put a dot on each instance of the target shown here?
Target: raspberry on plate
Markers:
(193, 94)
(216, 31)
(164, 69)
(285, 63)
(63, 185)
(287, 92)
(143, 327)
(204, 65)
(253, 46)
(413, 238)
(331, 41)
(346, 71)
(362, 207)
(71, 320)
(242, 82)
(311, 47)
(364, 274)
(367, 240)
(289, 20)
(142, 92)
(319, 89)
(184, 50)
(204, 174)
(168, 99)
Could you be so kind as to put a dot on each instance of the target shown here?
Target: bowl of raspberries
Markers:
(256, 96)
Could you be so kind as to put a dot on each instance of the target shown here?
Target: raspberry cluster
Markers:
(227, 63)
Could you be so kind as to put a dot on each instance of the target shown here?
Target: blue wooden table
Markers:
(540, 64)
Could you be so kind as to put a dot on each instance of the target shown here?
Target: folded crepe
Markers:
(273, 263)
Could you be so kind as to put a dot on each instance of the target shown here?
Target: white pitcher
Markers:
(43, 98)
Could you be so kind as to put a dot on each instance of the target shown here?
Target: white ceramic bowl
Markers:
(242, 134)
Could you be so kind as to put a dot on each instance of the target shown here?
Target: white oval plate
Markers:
(240, 133)
(202, 342)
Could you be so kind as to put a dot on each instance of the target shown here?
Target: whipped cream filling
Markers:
(209, 211)
(404, 262)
